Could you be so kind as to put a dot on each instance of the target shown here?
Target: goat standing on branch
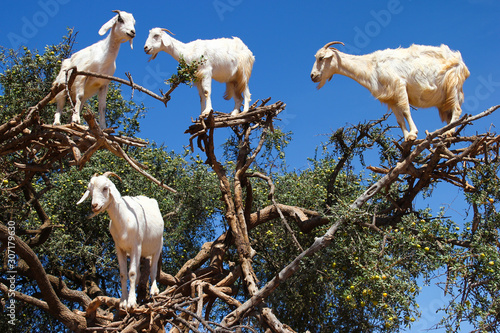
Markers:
(98, 58)
(136, 227)
(225, 60)
(421, 76)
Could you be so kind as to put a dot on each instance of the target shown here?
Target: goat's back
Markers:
(433, 76)
(87, 60)
(219, 47)
(224, 55)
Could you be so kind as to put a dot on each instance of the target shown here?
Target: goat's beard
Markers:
(97, 212)
(130, 40)
(323, 81)
(91, 215)
(153, 56)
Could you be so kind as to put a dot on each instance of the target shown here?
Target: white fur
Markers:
(99, 58)
(225, 60)
(421, 76)
(137, 230)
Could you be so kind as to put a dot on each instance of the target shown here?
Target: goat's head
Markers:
(123, 25)
(326, 64)
(157, 39)
(102, 190)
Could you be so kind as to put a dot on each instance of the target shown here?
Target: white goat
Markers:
(136, 227)
(421, 76)
(225, 60)
(99, 58)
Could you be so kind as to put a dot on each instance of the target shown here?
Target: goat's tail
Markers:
(454, 78)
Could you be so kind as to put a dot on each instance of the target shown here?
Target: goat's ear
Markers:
(85, 196)
(113, 191)
(106, 26)
(165, 39)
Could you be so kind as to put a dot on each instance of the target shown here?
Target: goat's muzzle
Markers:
(95, 208)
(150, 51)
(131, 34)
(315, 77)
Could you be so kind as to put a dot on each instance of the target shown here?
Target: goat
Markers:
(136, 227)
(225, 60)
(99, 58)
(421, 76)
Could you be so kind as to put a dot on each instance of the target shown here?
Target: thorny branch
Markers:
(186, 303)
(60, 142)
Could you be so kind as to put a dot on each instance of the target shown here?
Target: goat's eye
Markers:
(120, 19)
(321, 58)
(105, 190)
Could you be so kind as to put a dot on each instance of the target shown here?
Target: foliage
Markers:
(367, 280)
(27, 75)
(186, 73)
(355, 285)
(80, 249)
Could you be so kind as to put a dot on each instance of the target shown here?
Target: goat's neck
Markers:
(176, 49)
(358, 68)
(116, 226)
(111, 45)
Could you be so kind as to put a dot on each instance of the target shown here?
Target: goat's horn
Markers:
(116, 11)
(170, 32)
(332, 43)
(109, 173)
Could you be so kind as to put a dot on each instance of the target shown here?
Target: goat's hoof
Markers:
(154, 290)
(56, 123)
(448, 134)
(205, 113)
(411, 137)
(123, 304)
(131, 303)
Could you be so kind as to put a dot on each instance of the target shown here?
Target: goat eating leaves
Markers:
(224, 60)
(136, 227)
(421, 76)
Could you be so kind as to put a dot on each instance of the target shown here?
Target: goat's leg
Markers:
(247, 96)
(75, 118)
(238, 101)
(152, 273)
(122, 261)
(401, 114)
(61, 101)
(101, 97)
(232, 93)
(413, 128)
(401, 109)
(455, 115)
(204, 89)
(135, 260)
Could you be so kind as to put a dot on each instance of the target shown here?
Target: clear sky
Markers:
(284, 36)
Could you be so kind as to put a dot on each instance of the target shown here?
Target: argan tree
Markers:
(249, 246)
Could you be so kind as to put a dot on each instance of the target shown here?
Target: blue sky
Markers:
(284, 36)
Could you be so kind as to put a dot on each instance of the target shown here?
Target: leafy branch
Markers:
(187, 73)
